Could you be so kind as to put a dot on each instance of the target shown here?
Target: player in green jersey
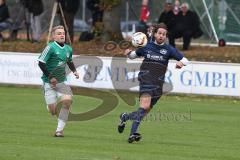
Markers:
(52, 62)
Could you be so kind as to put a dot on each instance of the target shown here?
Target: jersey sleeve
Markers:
(45, 54)
(140, 52)
(175, 54)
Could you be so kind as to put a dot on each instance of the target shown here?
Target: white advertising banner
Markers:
(206, 78)
(19, 68)
(112, 73)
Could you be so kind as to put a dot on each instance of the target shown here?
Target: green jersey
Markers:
(56, 57)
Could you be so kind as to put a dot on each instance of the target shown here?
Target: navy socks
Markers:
(136, 117)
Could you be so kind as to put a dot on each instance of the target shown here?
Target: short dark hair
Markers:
(160, 25)
(57, 27)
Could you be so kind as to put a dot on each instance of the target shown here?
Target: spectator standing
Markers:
(70, 8)
(97, 12)
(4, 18)
(144, 15)
(35, 9)
(18, 18)
(168, 17)
(176, 7)
(187, 26)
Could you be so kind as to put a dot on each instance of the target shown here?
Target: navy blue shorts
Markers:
(155, 91)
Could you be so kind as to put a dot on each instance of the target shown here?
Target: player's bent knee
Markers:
(146, 105)
(66, 97)
(66, 100)
(145, 101)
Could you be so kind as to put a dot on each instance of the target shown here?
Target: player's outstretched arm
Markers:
(130, 54)
(183, 62)
(127, 51)
(73, 69)
(76, 74)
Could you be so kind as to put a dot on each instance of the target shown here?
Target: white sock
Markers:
(61, 125)
(62, 119)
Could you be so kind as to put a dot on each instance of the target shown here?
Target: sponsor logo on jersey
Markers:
(60, 63)
(155, 57)
(148, 55)
(163, 51)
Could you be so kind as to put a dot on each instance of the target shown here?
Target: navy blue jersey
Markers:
(155, 61)
(159, 53)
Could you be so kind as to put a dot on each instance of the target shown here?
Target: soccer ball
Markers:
(139, 39)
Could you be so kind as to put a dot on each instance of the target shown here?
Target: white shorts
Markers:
(52, 95)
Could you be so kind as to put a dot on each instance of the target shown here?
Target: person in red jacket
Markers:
(144, 15)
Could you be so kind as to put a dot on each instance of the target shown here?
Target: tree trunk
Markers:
(111, 24)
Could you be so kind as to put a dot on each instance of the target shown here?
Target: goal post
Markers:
(220, 19)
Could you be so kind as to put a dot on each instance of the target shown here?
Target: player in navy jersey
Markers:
(156, 55)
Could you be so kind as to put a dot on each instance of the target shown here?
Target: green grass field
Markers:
(190, 128)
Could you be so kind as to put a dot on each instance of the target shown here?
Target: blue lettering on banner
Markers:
(109, 72)
(168, 76)
(201, 79)
(230, 80)
(130, 75)
(114, 74)
(118, 74)
(11, 63)
(208, 79)
(186, 74)
(126, 74)
(14, 73)
(216, 81)
(187, 77)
